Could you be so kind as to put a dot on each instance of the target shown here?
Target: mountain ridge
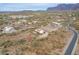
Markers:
(64, 7)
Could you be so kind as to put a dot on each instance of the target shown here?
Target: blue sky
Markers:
(25, 6)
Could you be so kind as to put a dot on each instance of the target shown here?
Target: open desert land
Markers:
(38, 33)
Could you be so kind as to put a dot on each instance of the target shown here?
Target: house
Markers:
(44, 30)
(34, 22)
(8, 29)
(40, 31)
(21, 21)
(56, 23)
(42, 34)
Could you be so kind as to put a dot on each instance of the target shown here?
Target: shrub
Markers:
(7, 43)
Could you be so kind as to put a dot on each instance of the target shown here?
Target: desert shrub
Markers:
(4, 52)
(6, 43)
(35, 44)
(76, 24)
(20, 42)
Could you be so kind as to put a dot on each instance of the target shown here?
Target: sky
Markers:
(25, 6)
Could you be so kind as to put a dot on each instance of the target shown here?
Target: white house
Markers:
(8, 29)
(44, 35)
(40, 31)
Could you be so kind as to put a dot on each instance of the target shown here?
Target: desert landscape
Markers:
(38, 32)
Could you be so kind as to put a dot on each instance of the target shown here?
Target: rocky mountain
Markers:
(65, 7)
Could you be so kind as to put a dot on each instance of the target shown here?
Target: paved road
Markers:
(72, 44)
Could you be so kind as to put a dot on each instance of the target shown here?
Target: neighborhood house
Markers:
(8, 29)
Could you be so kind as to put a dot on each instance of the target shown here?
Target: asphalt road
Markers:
(72, 44)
